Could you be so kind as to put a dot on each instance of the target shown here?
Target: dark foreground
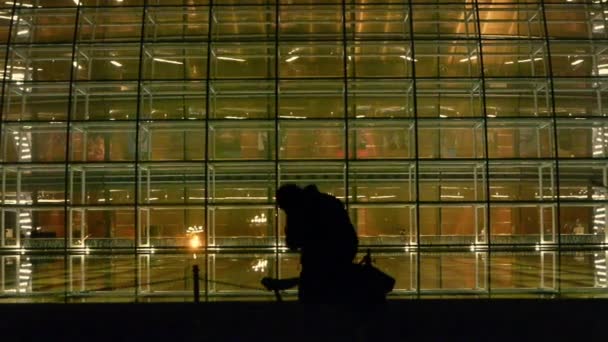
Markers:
(407, 320)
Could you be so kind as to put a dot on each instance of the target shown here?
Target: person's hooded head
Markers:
(289, 196)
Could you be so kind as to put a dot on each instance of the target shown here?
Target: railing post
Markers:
(195, 277)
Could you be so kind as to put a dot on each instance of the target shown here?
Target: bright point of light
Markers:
(115, 63)
(291, 59)
(195, 241)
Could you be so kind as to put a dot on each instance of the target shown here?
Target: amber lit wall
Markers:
(143, 123)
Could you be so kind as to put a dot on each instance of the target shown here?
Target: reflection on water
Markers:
(168, 277)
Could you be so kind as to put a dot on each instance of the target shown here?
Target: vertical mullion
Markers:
(277, 22)
(416, 145)
(4, 71)
(2, 95)
(66, 188)
(488, 230)
(206, 161)
(345, 106)
(556, 191)
(137, 147)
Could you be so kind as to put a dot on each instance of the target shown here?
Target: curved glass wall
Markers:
(148, 124)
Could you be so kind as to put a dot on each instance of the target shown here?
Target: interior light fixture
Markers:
(231, 59)
(291, 59)
(577, 62)
(115, 63)
(162, 60)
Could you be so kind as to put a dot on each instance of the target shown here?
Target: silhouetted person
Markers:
(319, 228)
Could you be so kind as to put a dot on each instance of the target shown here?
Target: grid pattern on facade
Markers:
(148, 123)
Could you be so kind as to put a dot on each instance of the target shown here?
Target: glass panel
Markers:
(583, 181)
(367, 59)
(450, 138)
(235, 139)
(521, 223)
(380, 99)
(33, 142)
(171, 141)
(582, 271)
(104, 101)
(451, 181)
(522, 181)
(172, 227)
(311, 140)
(173, 100)
(100, 185)
(377, 21)
(36, 101)
(516, 272)
(446, 59)
(582, 138)
(102, 227)
(311, 22)
(244, 23)
(571, 59)
(102, 142)
(448, 99)
(171, 183)
(581, 97)
(238, 100)
(449, 224)
(43, 26)
(382, 140)
(445, 21)
(242, 60)
(174, 62)
(109, 24)
(511, 20)
(387, 225)
(240, 274)
(246, 226)
(575, 21)
(33, 63)
(515, 59)
(34, 185)
(516, 97)
(520, 139)
(242, 183)
(311, 99)
(583, 223)
(120, 62)
(382, 182)
(311, 60)
(443, 273)
(176, 23)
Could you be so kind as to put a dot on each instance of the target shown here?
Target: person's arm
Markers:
(273, 284)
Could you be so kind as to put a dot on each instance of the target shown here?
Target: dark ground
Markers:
(399, 320)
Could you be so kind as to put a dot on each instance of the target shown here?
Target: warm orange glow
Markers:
(195, 241)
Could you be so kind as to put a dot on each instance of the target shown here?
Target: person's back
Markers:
(328, 247)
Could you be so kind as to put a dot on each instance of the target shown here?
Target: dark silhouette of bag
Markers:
(371, 285)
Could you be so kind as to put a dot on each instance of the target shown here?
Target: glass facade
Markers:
(145, 124)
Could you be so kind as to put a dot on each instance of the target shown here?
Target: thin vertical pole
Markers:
(66, 190)
(416, 138)
(206, 161)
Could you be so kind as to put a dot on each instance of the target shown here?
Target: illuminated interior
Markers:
(125, 123)
(132, 124)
